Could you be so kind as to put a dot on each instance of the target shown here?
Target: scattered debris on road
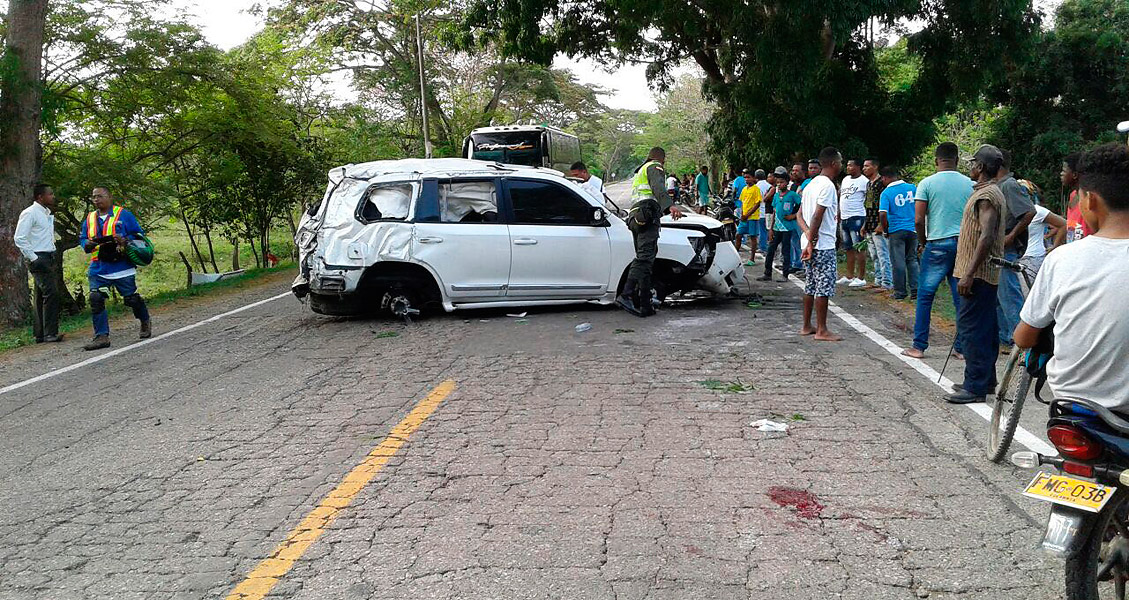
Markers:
(617, 331)
(581, 328)
(767, 425)
(387, 334)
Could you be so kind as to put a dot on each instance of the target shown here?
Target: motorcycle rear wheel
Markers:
(1100, 569)
(1009, 403)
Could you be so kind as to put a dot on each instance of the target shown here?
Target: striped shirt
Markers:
(970, 234)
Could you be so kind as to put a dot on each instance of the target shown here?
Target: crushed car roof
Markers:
(431, 166)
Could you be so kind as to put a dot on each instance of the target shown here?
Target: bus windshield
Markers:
(510, 147)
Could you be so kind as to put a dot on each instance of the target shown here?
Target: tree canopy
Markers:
(787, 77)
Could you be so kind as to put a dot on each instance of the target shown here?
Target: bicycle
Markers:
(1023, 368)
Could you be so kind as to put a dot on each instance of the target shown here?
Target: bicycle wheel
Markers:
(1009, 403)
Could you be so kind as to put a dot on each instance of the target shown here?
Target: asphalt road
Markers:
(478, 455)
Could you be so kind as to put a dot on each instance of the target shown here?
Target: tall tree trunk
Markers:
(235, 253)
(293, 235)
(211, 249)
(192, 241)
(21, 108)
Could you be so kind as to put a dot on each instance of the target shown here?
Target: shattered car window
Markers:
(387, 202)
(468, 202)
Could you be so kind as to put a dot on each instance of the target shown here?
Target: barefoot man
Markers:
(819, 212)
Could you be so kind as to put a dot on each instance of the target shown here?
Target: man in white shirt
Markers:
(1081, 290)
(1036, 234)
(672, 188)
(819, 212)
(589, 182)
(852, 212)
(35, 238)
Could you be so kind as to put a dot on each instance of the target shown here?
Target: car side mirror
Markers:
(598, 217)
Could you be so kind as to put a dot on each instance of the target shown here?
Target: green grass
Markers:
(732, 387)
(167, 273)
(22, 336)
(942, 303)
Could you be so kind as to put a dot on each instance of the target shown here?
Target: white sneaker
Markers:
(857, 283)
(842, 280)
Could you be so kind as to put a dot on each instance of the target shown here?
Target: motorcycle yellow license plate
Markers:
(1067, 491)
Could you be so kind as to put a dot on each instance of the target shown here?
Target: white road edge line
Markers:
(1021, 435)
(122, 350)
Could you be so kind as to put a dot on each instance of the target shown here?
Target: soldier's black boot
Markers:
(626, 300)
(646, 302)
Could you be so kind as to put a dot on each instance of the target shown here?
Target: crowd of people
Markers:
(947, 227)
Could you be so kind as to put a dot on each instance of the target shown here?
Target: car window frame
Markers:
(408, 218)
(429, 199)
(512, 219)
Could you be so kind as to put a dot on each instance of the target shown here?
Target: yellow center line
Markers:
(262, 579)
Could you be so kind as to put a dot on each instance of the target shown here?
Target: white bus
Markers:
(530, 145)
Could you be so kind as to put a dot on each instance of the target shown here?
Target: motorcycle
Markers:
(1088, 525)
(725, 210)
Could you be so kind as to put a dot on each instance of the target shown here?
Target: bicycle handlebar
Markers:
(1007, 264)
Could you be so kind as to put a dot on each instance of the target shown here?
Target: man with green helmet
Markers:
(649, 202)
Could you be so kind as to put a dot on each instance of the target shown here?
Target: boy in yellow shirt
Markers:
(750, 219)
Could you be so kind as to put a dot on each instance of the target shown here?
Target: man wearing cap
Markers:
(981, 237)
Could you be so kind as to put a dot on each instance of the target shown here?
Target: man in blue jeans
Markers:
(896, 213)
(939, 208)
(981, 237)
(104, 234)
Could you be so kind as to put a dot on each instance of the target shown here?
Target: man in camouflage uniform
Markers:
(649, 202)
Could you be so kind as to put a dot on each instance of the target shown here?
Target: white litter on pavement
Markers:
(581, 328)
(766, 425)
(518, 316)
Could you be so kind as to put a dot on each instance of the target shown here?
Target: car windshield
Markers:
(509, 147)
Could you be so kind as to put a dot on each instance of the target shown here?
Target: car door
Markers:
(556, 250)
(460, 237)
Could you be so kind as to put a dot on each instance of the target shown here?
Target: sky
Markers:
(227, 24)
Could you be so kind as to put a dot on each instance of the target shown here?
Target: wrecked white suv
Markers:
(406, 235)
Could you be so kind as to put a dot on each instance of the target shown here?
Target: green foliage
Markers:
(679, 126)
(967, 127)
(897, 68)
(1072, 92)
(787, 78)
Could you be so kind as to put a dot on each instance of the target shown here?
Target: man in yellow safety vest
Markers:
(649, 202)
(104, 235)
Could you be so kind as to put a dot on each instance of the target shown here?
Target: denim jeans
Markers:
(782, 240)
(1010, 300)
(937, 264)
(797, 264)
(978, 330)
(127, 289)
(903, 258)
(879, 248)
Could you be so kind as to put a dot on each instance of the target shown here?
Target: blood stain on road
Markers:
(805, 503)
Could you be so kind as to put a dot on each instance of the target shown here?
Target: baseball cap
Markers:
(780, 172)
(760, 174)
(988, 154)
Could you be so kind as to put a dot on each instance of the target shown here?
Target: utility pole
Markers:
(422, 92)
